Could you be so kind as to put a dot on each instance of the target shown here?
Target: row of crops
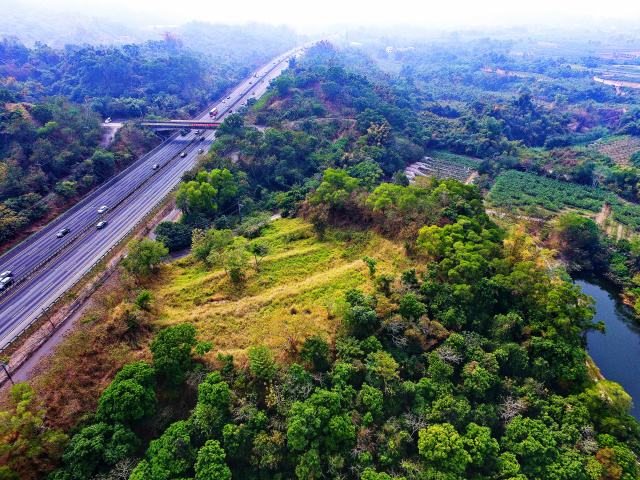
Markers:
(519, 189)
(453, 159)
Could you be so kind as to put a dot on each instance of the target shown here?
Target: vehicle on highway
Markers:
(183, 154)
(101, 225)
(5, 282)
(108, 120)
(230, 111)
(62, 232)
(155, 166)
(200, 150)
(103, 209)
(5, 274)
(202, 138)
(229, 97)
(213, 113)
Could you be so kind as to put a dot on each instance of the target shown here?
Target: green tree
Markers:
(335, 188)
(130, 396)
(170, 456)
(316, 351)
(263, 364)
(204, 243)
(67, 189)
(173, 235)
(212, 411)
(103, 163)
(233, 259)
(259, 251)
(583, 235)
(210, 464)
(319, 424)
(209, 191)
(443, 450)
(411, 308)
(370, 474)
(369, 173)
(382, 370)
(173, 351)
(533, 444)
(232, 125)
(95, 446)
(483, 450)
(371, 400)
(144, 256)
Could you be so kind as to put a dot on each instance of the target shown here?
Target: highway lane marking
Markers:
(23, 307)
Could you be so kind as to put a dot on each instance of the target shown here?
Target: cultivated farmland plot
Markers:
(430, 167)
(619, 150)
(520, 189)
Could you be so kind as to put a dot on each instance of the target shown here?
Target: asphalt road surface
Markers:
(45, 267)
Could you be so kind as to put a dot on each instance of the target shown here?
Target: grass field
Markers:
(283, 302)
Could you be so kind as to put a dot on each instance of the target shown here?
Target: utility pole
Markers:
(4, 366)
(239, 211)
(48, 317)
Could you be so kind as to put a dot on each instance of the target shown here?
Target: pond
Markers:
(616, 354)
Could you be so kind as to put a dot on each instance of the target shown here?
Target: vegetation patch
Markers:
(293, 295)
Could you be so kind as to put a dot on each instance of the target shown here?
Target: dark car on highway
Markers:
(62, 232)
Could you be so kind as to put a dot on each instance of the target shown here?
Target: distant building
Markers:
(390, 50)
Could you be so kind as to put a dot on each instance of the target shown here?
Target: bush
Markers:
(144, 299)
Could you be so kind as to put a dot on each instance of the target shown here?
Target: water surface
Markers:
(617, 353)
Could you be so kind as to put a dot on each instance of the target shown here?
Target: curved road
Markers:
(45, 267)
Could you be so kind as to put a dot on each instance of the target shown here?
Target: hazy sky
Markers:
(445, 13)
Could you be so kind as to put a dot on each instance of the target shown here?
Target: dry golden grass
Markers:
(296, 293)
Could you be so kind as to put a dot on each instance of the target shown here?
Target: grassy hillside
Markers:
(292, 296)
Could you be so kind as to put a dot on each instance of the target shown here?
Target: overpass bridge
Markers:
(180, 124)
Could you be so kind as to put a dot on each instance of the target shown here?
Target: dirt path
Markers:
(109, 131)
(471, 178)
(603, 214)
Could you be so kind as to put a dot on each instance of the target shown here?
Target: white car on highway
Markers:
(5, 282)
(103, 209)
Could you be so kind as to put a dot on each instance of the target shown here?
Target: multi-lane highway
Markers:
(45, 266)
